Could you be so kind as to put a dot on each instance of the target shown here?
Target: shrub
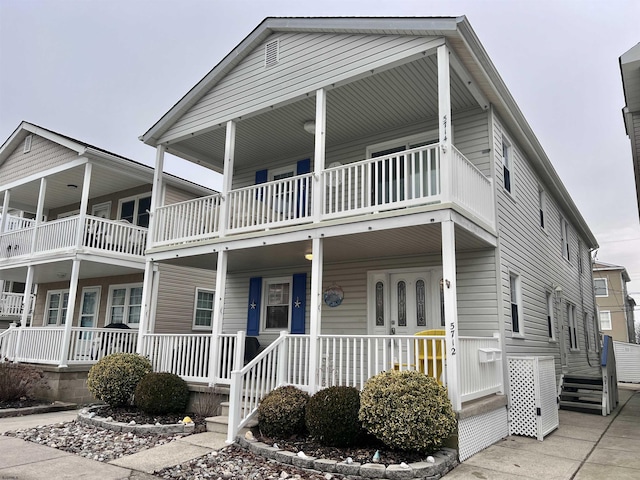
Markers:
(332, 416)
(18, 381)
(207, 403)
(115, 377)
(160, 393)
(407, 411)
(281, 412)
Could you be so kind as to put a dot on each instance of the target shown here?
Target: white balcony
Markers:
(411, 178)
(97, 234)
(11, 304)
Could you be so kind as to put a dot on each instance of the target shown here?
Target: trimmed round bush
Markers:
(115, 377)
(332, 416)
(281, 412)
(407, 411)
(160, 393)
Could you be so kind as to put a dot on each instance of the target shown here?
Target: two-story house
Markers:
(615, 306)
(630, 72)
(385, 204)
(73, 231)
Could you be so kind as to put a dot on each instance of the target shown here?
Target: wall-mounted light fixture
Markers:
(308, 256)
(310, 127)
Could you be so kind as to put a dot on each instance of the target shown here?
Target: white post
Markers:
(319, 154)
(227, 177)
(451, 311)
(39, 213)
(84, 202)
(73, 293)
(156, 193)
(444, 128)
(499, 375)
(282, 359)
(218, 317)
(5, 211)
(26, 296)
(147, 289)
(315, 311)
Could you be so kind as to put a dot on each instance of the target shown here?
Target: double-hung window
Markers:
(135, 209)
(550, 317)
(541, 206)
(573, 326)
(203, 312)
(600, 287)
(605, 320)
(507, 165)
(564, 239)
(277, 312)
(516, 305)
(125, 304)
(56, 308)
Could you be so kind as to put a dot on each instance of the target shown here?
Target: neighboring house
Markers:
(73, 231)
(630, 71)
(379, 181)
(615, 306)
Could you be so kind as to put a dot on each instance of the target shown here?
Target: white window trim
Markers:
(518, 301)
(136, 199)
(265, 293)
(280, 170)
(98, 289)
(195, 309)
(45, 320)
(606, 287)
(510, 164)
(608, 314)
(104, 205)
(572, 323)
(550, 299)
(128, 287)
(429, 136)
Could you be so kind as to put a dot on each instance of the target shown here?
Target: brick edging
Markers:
(445, 460)
(53, 407)
(89, 417)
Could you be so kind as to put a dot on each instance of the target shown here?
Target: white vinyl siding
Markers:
(605, 320)
(313, 59)
(203, 309)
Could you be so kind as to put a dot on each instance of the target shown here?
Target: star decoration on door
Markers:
(253, 305)
(297, 303)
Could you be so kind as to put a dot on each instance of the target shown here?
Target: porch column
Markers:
(315, 311)
(444, 124)
(26, 297)
(218, 317)
(319, 154)
(227, 176)
(68, 323)
(5, 211)
(39, 213)
(156, 194)
(84, 202)
(451, 311)
(145, 314)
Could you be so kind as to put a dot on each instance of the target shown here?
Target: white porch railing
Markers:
(11, 304)
(18, 223)
(480, 363)
(185, 355)
(98, 233)
(88, 345)
(404, 179)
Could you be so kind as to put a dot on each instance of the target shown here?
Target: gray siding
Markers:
(307, 61)
(176, 297)
(43, 155)
(176, 195)
(535, 254)
(114, 198)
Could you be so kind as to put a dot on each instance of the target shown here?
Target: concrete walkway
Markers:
(584, 447)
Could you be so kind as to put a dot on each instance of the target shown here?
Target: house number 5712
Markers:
(452, 329)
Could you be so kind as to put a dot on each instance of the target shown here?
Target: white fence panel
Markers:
(627, 361)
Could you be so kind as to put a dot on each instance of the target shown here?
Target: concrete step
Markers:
(220, 424)
(593, 394)
(581, 406)
(581, 386)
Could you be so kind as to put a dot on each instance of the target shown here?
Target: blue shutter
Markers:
(253, 315)
(298, 303)
(302, 167)
(261, 177)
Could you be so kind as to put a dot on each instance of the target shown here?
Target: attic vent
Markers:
(27, 144)
(271, 53)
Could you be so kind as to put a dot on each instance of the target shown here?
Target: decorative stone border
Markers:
(45, 408)
(89, 416)
(445, 460)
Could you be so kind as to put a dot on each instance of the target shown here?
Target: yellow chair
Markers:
(432, 360)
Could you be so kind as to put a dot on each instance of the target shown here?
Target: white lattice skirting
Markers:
(481, 431)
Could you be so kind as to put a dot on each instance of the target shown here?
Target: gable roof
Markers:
(602, 267)
(462, 40)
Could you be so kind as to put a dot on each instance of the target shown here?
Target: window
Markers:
(277, 314)
(600, 287)
(27, 144)
(541, 206)
(203, 315)
(135, 210)
(550, 317)
(516, 304)
(573, 327)
(564, 238)
(89, 306)
(55, 312)
(507, 164)
(605, 320)
(125, 304)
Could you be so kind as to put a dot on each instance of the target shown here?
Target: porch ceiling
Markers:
(60, 271)
(390, 99)
(59, 194)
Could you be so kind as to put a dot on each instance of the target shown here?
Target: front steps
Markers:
(220, 423)
(582, 394)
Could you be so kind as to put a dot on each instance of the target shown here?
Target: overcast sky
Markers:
(104, 71)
